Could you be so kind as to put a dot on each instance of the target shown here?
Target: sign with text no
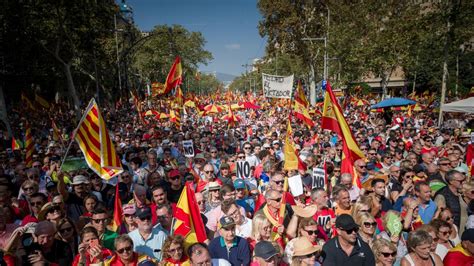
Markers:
(243, 169)
(188, 148)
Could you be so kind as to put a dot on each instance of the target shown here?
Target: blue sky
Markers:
(229, 27)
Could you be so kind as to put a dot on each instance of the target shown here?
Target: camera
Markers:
(30, 247)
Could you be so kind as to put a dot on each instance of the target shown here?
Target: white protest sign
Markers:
(243, 169)
(319, 178)
(188, 148)
(296, 185)
(277, 86)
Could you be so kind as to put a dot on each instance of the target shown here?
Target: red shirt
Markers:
(458, 256)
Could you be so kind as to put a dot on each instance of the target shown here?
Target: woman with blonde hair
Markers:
(367, 228)
(261, 230)
(363, 204)
(385, 252)
(173, 251)
(305, 253)
(307, 228)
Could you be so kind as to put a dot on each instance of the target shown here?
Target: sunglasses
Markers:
(371, 153)
(65, 230)
(388, 254)
(445, 233)
(247, 148)
(367, 224)
(315, 254)
(54, 209)
(277, 199)
(449, 218)
(311, 232)
(172, 251)
(279, 182)
(98, 221)
(241, 157)
(36, 203)
(122, 250)
(351, 231)
(174, 177)
(146, 218)
(362, 166)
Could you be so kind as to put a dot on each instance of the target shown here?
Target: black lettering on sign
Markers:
(319, 178)
(243, 169)
(323, 220)
(188, 148)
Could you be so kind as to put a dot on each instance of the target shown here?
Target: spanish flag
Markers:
(187, 220)
(95, 143)
(16, 145)
(29, 146)
(333, 119)
(41, 101)
(292, 160)
(174, 77)
(300, 107)
(118, 212)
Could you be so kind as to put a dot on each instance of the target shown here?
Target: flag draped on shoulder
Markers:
(333, 119)
(29, 146)
(187, 221)
(96, 144)
(174, 77)
(300, 107)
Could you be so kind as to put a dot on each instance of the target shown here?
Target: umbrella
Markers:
(162, 116)
(391, 102)
(151, 112)
(213, 108)
(249, 105)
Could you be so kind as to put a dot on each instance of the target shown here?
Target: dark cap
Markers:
(265, 250)
(370, 166)
(142, 213)
(418, 169)
(345, 222)
(468, 235)
(226, 222)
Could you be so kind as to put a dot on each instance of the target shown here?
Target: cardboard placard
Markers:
(188, 148)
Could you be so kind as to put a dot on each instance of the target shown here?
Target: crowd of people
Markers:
(415, 205)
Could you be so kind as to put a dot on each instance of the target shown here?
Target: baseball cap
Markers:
(142, 213)
(80, 179)
(239, 184)
(265, 250)
(129, 209)
(346, 222)
(276, 142)
(173, 173)
(266, 146)
(468, 235)
(226, 222)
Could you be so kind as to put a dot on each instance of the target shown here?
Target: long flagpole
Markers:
(74, 133)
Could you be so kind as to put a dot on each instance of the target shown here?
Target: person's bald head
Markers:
(198, 254)
(272, 194)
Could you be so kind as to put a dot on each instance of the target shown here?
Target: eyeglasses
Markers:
(65, 230)
(174, 177)
(409, 176)
(122, 250)
(311, 232)
(200, 202)
(279, 182)
(98, 221)
(247, 148)
(337, 170)
(350, 231)
(54, 209)
(367, 224)
(208, 172)
(213, 151)
(362, 166)
(372, 153)
(388, 254)
(28, 188)
(241, 157)
(428, 140)
(449, 218)
(460, 181)
(444, 164)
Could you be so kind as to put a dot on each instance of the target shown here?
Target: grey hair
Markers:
(418, 237)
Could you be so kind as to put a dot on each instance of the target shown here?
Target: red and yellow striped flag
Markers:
(56, 132)
(333, 119)
(41, 101)
(187, 220)
(96, 145)
(118, 212)
(28, 146)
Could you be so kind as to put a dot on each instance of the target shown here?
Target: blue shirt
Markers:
(427, 212)
(238, 254)
(150, 246)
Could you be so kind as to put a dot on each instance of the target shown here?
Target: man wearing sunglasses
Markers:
(346, 248)
(147, 239)
(99, 220)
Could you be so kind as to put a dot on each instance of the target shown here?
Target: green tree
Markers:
(153, 59)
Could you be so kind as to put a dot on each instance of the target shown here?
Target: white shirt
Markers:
(245, 229)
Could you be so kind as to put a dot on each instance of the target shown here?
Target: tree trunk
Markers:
(71, 88)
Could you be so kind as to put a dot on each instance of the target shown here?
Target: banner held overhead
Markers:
(277, 86)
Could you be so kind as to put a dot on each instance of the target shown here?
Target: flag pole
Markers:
(74, 133)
